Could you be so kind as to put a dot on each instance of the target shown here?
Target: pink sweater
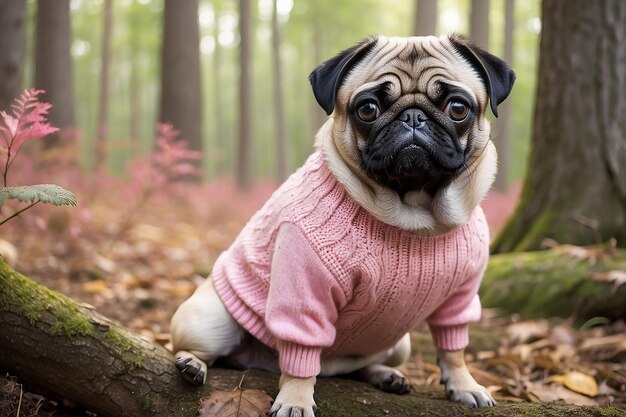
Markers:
(314, 275)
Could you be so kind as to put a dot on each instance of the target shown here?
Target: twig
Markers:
(19, 404)
(17, 213)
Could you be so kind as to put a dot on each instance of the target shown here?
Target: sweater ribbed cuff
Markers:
(297, 360)
(450, 337)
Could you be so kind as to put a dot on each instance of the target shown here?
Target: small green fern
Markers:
(37, 193)
(46, 193)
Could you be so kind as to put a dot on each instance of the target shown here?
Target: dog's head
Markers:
(409, 113)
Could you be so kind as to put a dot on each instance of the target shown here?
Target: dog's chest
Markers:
(398, 280)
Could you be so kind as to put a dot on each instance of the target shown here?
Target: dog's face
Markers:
(409, 113)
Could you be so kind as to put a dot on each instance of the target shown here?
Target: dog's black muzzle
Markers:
(412, 152)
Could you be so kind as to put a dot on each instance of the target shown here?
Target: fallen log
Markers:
(67, 350)
(565, 281)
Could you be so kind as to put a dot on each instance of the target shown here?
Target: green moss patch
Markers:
(30, 299)
(131, 355)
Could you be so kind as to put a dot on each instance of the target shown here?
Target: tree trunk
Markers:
(220, 154)
(575, 187)
(566, 281)
(53, 64)
(103, 102)
(244, 151)
(282, 160)
(501, 133)
(318, 116)
(181, 92)
(70, 351)
(12, 47)
(425, 22)
(479, 23)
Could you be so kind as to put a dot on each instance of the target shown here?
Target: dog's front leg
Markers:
(459, 384)
(295, 398)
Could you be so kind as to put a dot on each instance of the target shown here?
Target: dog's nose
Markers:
(414, 118)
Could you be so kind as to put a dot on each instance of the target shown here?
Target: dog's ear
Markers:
(496, 74)
(327, 78)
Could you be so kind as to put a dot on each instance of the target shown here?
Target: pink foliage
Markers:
(28, 121)
(170, 160)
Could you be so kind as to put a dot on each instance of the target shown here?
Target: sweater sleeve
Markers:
(303, 303)
(449, 322)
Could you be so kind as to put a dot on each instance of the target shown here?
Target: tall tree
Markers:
(479, 23)
(220, 154)
(133, 18)
(181, 92)
(244, 152)
(575, 188)
(425, 22)
(282, 162)
(53, 63)
(12, 47)
(318, 116)
(502, 130)
(103, 101)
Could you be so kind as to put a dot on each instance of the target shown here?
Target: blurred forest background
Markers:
(118, 70)
(232, 78)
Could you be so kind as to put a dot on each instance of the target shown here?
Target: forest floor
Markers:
(135, 257)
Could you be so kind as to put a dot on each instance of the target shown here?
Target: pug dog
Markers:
(380, 230)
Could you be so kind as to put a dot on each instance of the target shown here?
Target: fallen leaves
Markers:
(543, 362)
(577, 382)
(540, 361)
(239, 402)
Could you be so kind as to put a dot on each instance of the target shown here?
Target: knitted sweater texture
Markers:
(315, 276)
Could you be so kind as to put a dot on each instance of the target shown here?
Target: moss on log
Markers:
(66, 350)
(556, 283)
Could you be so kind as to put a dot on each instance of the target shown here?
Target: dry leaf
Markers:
(617, 278)
(546, 393)
(525, 330)
(577, 252)
(236, 403)
(578, 382)
(98, 286)
(615, 342)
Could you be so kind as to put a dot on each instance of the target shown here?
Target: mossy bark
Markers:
(69, 351)
(575, 188)
(555, 283)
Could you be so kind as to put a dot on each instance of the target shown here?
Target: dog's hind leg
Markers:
(202, 330)
(386, 378)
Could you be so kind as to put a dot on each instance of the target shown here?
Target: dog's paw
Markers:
(395, 383)
(193, 369)
(462, 388)
(385, 378)
(287, 411)
(459, 384)
(478, 397)
(295, 398)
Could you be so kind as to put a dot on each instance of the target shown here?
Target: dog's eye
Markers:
(456, 110)
(368, 112)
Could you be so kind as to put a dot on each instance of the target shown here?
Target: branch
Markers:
(70, 351)
(17, 213)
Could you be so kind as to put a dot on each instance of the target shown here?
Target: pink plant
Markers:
(170, 161)
(27, 122)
